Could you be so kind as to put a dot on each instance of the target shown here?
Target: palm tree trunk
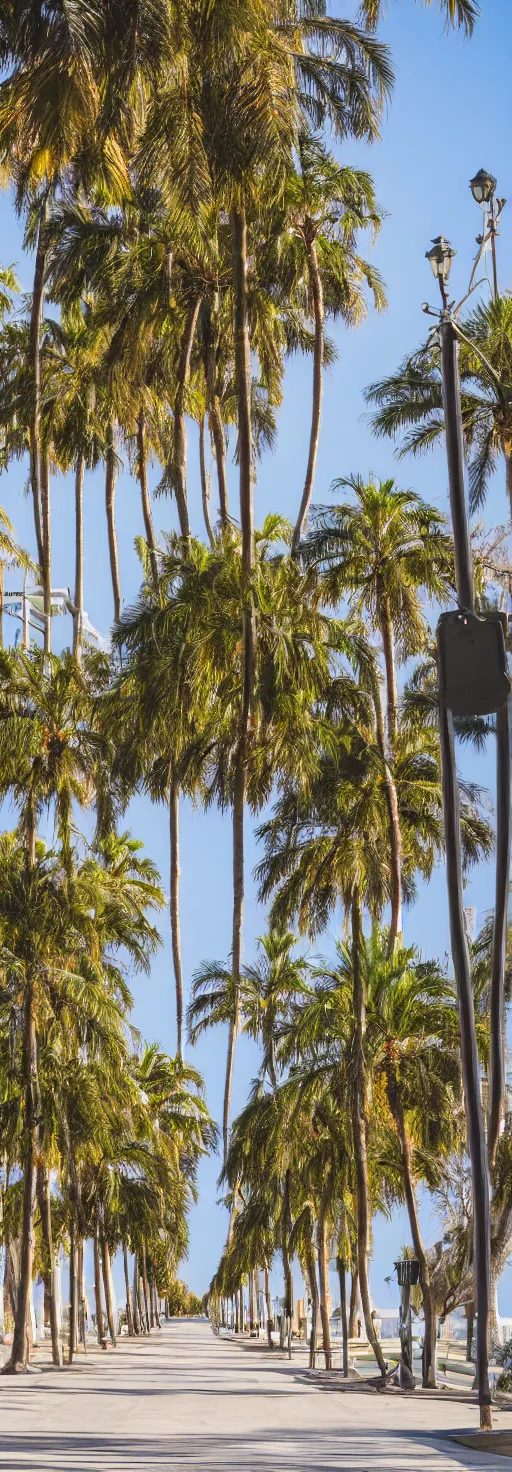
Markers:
(205, 483)
(137, 1326)
(110, 505)
(100, 1322)
(36, 322)
(174, 815)
(238, 863)
(494, 1318)
(145, 1289)
(45, 1213)
(107, 1284)
(243, 383)
(429, 1305)
(359, 1129)
(342, 1279)
(386, 628)
(73, 1294)
(286, 1227)
(228, 1081)
(354, 1289)
(47, 549)
(395, 832)
(323, 1272)
(219, 442)
(318, 362)
(154, 1300)
(217, 432)
(129, 1315)
(243, 388)
(216, 428)
(180, 434)
(19, 1353)
(149, 1282)
(78, 616)
(142, 469)
(268, 1305)
(236, 949)
(82, 1325)
(237, 1319)
(138, 1298)
(315, 1302)
(11, 1277)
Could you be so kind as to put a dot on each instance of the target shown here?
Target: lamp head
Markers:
(441, 257)
(482, 187)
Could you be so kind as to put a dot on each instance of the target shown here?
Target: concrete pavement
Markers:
(185, 1399)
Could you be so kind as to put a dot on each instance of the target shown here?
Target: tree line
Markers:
(191, 227)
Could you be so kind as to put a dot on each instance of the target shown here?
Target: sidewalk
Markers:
(185, 1399)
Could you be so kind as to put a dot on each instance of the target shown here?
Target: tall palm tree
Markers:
(412, 1042)
(53, 125)
(327, 843)
(384, 549)
(315, 233)
(56, 937)
(159, 713)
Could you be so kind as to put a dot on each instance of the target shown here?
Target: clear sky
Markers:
(450, 115)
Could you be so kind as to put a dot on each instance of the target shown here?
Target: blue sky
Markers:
(450, 115)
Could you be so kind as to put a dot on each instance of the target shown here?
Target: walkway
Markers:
(185, 1399)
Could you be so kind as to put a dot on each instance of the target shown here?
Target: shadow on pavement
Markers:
(284, 1451)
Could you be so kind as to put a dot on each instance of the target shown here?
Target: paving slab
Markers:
(495, 1443)
(184, 1399)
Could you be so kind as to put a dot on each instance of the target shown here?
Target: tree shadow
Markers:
(334, 1450)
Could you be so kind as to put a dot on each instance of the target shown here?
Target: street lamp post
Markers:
(483, 189)
(478, 639)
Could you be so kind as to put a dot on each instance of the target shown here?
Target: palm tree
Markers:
(327, 843)
(462, 13)
(51, 945)
(45, 138)
(413, 1044)
(270, 984)
(161, 716)
(262, 998)
(48, 758)
(383, 550)
(409, 402)
(315, 234)
(48, 750)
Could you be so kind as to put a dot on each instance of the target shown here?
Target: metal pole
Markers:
(455, 457)
(499, 943)
(451, 812)
(469, 1060)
